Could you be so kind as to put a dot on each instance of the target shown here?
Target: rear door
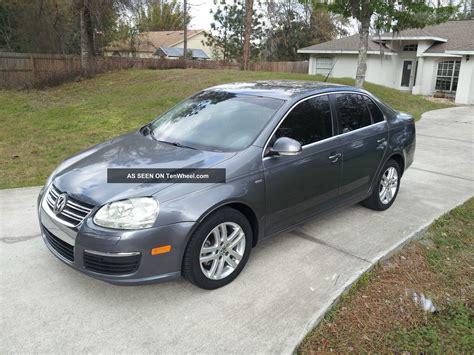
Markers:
(363, 132)
(301, 185)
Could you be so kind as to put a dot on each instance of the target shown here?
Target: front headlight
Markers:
(134, 213)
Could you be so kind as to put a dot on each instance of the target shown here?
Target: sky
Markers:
(201, 19)
(199, 10)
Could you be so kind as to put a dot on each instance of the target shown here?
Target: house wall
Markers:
(426, 76)
(380, 69)
(465, 91)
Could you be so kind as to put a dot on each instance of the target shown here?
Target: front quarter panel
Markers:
(244, 185)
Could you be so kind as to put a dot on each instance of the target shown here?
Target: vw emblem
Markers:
(60, 203)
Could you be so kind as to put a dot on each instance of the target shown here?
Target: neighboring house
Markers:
(175, 53)
(436, 59)
(146, 44)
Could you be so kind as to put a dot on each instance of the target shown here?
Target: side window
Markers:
(377, 115)
(309, 122)
(353, 112)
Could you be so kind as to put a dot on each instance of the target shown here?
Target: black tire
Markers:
(191, 264)
(373, 201)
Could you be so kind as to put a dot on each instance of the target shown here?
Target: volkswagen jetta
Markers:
(289, 150)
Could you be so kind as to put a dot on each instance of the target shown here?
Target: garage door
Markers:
(323, 65)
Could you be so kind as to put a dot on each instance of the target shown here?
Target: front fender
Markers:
(248, 190)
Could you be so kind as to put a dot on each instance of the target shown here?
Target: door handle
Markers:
(334, 157)
(381, 140)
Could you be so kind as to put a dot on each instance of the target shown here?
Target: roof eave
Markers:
(460, 52)
(445, 54)
(182, 40)
(410, 38)
(339, 51)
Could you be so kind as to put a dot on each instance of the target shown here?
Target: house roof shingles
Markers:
(150, 41)
(459, 36)
(350, 43)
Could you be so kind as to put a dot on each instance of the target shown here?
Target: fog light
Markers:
(161, 250)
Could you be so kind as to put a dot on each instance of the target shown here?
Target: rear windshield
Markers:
(216, 120)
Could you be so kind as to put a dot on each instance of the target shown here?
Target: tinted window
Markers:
(216, 120)
(308, 122)
(377, 115)
(353, 112)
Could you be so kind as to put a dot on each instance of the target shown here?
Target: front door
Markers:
(299, 186)
(406, 72)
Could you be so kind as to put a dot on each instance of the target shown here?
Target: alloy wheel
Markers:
(222, 250)
(388, 185)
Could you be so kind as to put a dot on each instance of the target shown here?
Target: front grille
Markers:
(111, 265)
(64, 249)
(73, 213)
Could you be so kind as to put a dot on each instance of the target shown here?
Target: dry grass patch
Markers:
(379, 314)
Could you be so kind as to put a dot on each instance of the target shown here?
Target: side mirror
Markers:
(285, 146)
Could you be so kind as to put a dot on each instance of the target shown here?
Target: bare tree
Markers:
(87, 35)
(185, 32)
(247, 33)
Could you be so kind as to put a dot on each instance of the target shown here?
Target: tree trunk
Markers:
(185, 33)
(247, 33)
(87, 38)
(363, 47)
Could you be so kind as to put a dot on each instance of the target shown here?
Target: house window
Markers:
(323, 66)
(448, 75)
(410, 48)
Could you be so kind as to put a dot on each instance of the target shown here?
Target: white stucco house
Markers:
(436, 59)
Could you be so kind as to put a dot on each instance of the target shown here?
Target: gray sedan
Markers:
(288, 150)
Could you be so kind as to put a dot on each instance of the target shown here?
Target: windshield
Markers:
(216, 120)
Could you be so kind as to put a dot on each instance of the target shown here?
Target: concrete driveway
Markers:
(288, 284)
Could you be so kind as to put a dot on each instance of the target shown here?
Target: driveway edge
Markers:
(417, 234)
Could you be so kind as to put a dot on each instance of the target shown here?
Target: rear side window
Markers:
(309, 122)
(353, 112)
(377, 115)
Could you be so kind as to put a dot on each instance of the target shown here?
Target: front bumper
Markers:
(116, 256)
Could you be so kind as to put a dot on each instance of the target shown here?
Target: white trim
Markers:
(460, 52)
(409, 38)
(334, 51)
(440, 55)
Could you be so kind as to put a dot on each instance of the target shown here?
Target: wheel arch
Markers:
(243, 208)
(398, 157)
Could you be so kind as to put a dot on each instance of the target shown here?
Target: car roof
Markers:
(280, 89)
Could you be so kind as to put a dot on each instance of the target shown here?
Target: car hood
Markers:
(84, 176)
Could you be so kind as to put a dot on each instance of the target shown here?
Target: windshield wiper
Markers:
(176, 144)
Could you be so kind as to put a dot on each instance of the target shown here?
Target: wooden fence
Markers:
(20, 70)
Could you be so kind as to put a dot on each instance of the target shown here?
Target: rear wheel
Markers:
(386, 189)
(218, 249)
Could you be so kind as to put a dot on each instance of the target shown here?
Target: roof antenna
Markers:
(330, 71)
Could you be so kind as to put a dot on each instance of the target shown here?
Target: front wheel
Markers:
(218, 249)
(386, 189)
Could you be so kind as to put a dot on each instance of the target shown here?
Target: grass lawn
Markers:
(378, 314)
(40, 128)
